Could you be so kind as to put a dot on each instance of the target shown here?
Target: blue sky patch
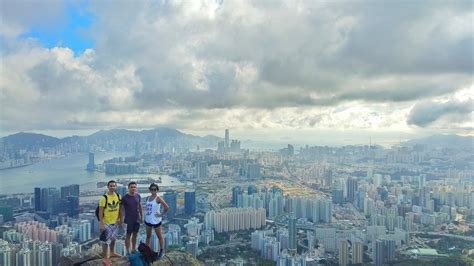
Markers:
(73, 33)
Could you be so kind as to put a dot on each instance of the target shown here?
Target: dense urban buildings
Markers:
(294, 206)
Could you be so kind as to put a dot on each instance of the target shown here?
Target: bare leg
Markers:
(127, 243)
(148, 236)
(105, 256)
(105, 249)
(134, 241)
(160, 237)
(112, 249)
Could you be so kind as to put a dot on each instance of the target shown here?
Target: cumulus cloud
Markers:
(264, 64)
(426, 113)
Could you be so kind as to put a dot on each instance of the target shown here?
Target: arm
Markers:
(119, 218)
(140, 212)
(122, 213)
(165, 206)
(101, 218)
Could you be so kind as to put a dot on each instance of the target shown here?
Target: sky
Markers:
(294, 71)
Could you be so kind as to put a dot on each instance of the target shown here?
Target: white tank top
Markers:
(151, 208)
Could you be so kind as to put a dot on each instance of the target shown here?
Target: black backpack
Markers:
(148, 254)
(97, 209)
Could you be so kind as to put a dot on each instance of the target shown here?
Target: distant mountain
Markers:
(24, 140)
(444, 141)
(159, 137)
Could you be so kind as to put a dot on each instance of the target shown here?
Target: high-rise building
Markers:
(325, 211)
(235, 146)
(389, 250)
(53, 199)
(292, 234)
(235, 219)
(201, 170)
(328, 178)
(226, 142)
(37, 199)
(384, 251)
(6, 253)
(378, 250)
(253, 171)
(171, 198)
(236, 191)
(190, 201)
(91, 164)
(352, 186)
(71, 190)
(357, 252)
(24, 257)
(343, 253)
(337, 196)
(73, 208)
(252, 189)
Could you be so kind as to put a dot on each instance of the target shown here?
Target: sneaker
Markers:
(161, 254)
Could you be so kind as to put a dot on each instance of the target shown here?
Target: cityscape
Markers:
(312, 205)
(236, 132)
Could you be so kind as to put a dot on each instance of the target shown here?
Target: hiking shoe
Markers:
(161, 254)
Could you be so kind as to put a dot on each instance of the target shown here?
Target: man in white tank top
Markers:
(154, 217)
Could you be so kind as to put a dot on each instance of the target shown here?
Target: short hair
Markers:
(110, 182)
(154, 185)
(132, 183)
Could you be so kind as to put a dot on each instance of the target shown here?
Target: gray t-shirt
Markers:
(131, 205)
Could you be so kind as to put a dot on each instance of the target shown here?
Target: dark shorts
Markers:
(133, 227)
(153, 225)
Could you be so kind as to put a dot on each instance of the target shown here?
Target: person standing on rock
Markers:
(133, 215)
(109, 221)
(154, 217)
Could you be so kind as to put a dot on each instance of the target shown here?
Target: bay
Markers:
(65, 171)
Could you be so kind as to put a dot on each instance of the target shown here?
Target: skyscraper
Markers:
(226, 142)
(352, 186)
(190, 201)
(171, 198)
(236, 191)
(337, 196)
(389, 250)
(201, 170)
(357, 252)
(343, 253)
(292, 234)
(325, 210)
(378, 250)
(37, 199)
(91, 164)
(253, 171)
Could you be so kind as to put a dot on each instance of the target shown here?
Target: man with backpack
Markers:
(132, 210)
(109, 218)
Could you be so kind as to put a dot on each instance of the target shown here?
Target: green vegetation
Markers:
(452, 246)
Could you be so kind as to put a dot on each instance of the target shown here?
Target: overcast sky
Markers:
(288, 70)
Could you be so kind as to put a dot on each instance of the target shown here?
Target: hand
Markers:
(101, 227)
(140, 220)
(158, 215)
(119, 222)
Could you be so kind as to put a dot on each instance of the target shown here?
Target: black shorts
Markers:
(133, 227)
(153, 225)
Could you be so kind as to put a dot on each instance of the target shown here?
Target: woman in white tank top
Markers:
(154, 217)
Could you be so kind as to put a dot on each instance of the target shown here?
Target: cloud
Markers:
(264, 64)
(425, 113)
